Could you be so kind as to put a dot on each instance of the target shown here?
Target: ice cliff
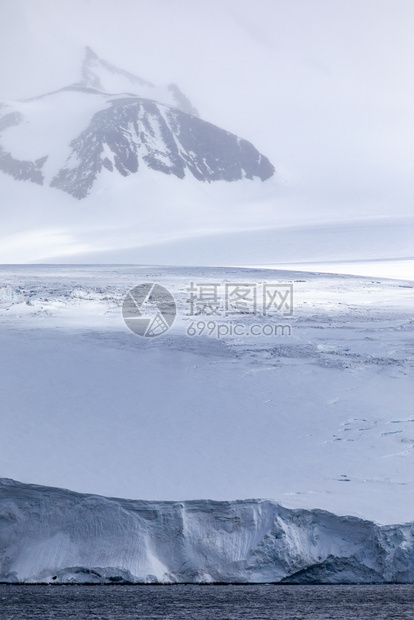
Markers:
(55, 535)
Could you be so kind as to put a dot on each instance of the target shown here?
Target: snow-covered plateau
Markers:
(54, 535)
(321, 418)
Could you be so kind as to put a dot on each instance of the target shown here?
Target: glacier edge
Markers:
(51, 535)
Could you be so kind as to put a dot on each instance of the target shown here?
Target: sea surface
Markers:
(229, 602)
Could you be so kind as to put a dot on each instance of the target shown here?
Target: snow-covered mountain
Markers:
(101, 75)
(54, 535)
(115, 169)
(115, 121)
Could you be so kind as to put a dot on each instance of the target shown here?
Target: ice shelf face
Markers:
(55, 535)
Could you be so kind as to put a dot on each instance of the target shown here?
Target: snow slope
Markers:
(102, 75)
(54, 535)
(377, 246)
(322, 418)
(141, 163)
(65, 139)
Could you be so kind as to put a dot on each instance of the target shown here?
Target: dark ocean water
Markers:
(182, 602)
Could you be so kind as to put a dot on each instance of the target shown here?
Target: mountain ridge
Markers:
(136, 124)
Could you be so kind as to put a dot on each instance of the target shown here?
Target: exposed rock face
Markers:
(18, 169)
(132, 132)
(54, 535)
(22, 170)
(118, 122)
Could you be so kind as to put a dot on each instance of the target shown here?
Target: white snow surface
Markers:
(104, 76)
(320, 419)
(50, 123)
(295, 217)
(54, 535)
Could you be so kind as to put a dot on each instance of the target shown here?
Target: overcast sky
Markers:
(324, 88)
(321, 86)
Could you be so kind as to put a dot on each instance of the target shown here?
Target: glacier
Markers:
(52, 535)
(319, 419)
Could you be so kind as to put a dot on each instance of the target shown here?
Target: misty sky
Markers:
(324, 88)
(333, 77)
